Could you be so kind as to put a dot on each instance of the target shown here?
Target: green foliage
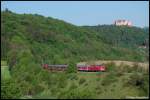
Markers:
(62, 81)
(10, 89)
(30, 40)
(5, 74)
(3, 63)
(111, 67)
(82, 80)
(99, 89)
(46, 37)
(72, 68)
(73, 86)
(109, 79)
(75, 94)
(140, 81)
(120, 35)
(72, 76)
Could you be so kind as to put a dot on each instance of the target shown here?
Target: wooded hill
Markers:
(29, 40)
(50, 40)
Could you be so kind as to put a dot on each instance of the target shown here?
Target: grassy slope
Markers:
(115, 90)
(4, 70)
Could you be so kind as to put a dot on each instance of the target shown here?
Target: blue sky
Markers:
(85, 12)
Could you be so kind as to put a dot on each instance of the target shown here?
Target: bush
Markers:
(82, 80)
(98, 79)
(10, 89)
(127, 69)
(26, 87)
(108, 79)
(62, 82)
(79, 94)
(72, 68)
(38, 88)
(99, 89)
(145, 86)
(73, 86)
(54, 90)
(140, 81)
(111, 67)
(138, 68)
(85, 84)
(72, 76)
(135, 79)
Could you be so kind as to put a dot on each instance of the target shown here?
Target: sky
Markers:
(85, 12)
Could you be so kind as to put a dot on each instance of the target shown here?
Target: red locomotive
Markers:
(91, 67)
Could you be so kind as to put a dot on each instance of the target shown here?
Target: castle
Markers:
(122, 22)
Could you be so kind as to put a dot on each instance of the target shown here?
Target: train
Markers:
(91, 68)
(87, 68)
(55, 67)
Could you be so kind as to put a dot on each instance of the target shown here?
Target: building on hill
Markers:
(122, 22)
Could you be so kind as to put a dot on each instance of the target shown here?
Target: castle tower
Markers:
(123, 22)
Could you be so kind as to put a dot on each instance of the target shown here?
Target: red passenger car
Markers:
(55, 67)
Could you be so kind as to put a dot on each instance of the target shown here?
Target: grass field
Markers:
(4, 70)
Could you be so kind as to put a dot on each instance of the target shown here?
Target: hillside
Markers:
(123, 36)
(29, 40)
(45, 37)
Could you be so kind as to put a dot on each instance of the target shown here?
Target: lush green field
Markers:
(4, 70)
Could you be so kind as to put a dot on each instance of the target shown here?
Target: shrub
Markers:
(82, 80)
(73, 86)
(108, 79)
(72, 76)
(10, 90)
(99, 89)
(54, 90)
(111, 89)
(85, 84)
(26, 87)
(127, 69)
(135, 79)
(140, 81)
(38, 88)
(79, 94)
(72, 68)
(62, 82)
(137, 68)
(98, 79)
(111, 67)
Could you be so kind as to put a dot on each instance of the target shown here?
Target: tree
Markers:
(72, 67)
